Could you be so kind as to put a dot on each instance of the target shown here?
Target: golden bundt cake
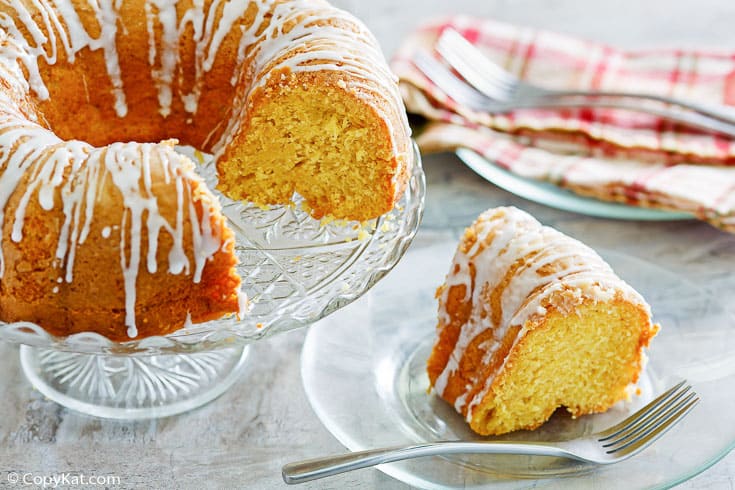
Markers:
(104, 227)
(531, 320)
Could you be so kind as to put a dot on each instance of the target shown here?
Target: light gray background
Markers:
(264, 421)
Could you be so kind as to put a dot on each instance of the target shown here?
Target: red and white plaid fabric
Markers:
(609, 154)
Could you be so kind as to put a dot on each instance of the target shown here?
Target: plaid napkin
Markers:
(609, 154)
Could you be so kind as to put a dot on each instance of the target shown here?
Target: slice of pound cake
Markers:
(531, 320)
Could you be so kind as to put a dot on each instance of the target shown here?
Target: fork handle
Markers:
(313, 469)
(688, 118)
(703, 109)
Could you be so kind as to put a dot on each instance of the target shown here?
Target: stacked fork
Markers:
(492, 89)
(647, 150)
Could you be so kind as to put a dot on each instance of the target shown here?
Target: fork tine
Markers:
(651, 406)
(484, 82)
(667, 421)
(448, 82)
(480, 72)
(646, 426)
(649, 418)
(455, 42)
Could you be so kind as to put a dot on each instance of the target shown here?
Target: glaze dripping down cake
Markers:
(531, 320)
(106, 228)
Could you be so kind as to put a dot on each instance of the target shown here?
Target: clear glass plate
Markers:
(363, 371)
(554, 196)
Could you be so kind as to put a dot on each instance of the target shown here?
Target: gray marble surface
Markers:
(242, 439)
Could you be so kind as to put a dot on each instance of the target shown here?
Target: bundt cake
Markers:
(105, 227)
(531, 320)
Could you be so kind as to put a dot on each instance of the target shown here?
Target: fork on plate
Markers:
(487, 87)
(615, 444)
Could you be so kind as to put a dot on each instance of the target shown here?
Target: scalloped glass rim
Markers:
(376, 362)
(305, 270)
(554, 196)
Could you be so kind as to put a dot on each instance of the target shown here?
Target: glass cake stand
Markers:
(295, 270)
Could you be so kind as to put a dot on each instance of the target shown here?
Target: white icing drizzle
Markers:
(71, 175)
(208, 37)
(63, 28)
(503, 237)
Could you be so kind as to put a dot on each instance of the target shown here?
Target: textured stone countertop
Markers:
(242, 439)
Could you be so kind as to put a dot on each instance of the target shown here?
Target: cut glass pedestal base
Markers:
(132, 387)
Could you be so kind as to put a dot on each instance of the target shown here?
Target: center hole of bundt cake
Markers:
(100, 127)
(84, 104)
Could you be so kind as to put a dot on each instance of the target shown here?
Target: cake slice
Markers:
(531, 320)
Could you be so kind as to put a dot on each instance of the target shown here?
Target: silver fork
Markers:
(461, 92)
(612, 445)
(499, 84)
